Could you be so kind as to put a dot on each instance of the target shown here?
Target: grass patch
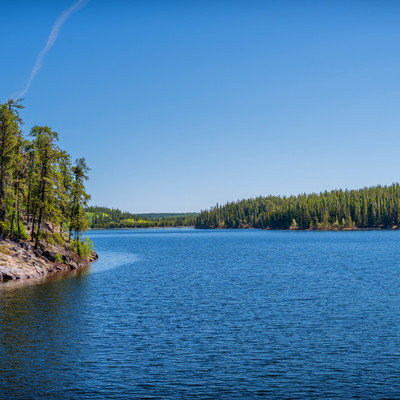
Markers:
(5, 250)
(82, 248)
(58, 258)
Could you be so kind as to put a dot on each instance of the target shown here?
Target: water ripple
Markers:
(190, 314)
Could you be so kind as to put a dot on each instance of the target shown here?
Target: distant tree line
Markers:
(42, 192)
(373, 207)
(109, 218)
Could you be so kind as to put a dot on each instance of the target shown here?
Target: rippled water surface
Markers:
(187, 314)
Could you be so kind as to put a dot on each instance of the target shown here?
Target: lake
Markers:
(213, 314)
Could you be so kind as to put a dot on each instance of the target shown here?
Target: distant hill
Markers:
(169, 215)
(110, 218)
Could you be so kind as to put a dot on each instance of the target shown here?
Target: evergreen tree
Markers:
(48, 153)
(78, 220)
(375, 207)
(10, 136)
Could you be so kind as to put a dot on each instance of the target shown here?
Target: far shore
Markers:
(142, 227)
(390, 228)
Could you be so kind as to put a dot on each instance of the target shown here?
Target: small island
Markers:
(42, 201)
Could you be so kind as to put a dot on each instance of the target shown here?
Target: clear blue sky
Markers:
(177, 105)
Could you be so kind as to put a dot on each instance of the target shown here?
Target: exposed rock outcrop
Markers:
(19, 260)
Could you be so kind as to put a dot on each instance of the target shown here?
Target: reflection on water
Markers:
(110, 260)
(209, 314)
(51, 277)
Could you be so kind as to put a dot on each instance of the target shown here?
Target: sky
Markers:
(178, 105)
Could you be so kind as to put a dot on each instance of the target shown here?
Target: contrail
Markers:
(51, 40)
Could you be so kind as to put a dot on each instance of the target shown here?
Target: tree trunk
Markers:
(18, 215)
(42, 196)
(33, 223)
(12, 222)
(13, 214)
(2, 194)
(38, 229)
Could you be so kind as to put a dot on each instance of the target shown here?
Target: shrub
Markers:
(52, 238)
(82, 248)
(58, 238)
(7, 230)
(58, 258)
(47, 237)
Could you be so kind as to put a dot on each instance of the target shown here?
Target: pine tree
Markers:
(46, 188)
(10, 135)
(78, 220)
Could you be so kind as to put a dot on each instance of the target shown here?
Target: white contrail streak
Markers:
(51, 40)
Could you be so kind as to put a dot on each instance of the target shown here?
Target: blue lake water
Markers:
(189, 314)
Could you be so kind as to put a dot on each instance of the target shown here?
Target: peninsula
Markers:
(42, 201)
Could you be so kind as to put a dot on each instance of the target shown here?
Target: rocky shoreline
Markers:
(19, 260)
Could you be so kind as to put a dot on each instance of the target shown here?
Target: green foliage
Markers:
(22, 234)
(5, 250)
(39, 186)
(82, 248)
(10, 145)
(51, 238)
(78, 220)
(46, 237)
(107, 218)
(374, 207)
(17, 231)
(58, 258)
(57, 238)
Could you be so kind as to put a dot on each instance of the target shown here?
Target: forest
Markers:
(108, 218)
(42, 191)
(375, 207)
(43, 197)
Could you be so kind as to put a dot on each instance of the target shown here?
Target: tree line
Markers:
(42, 192)
(109, 218)
(372, 207)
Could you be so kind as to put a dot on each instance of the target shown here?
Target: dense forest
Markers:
(374, 207)
(42, 192)
(107, 218)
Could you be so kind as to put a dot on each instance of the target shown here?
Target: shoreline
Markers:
(20, 261)
(142, 227)
(393, 228)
